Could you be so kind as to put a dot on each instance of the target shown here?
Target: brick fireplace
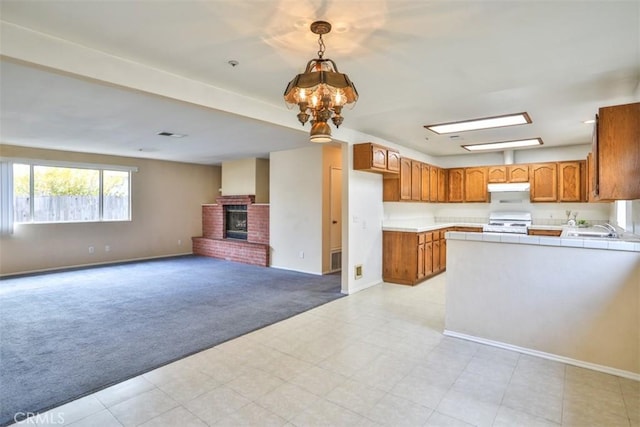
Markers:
(222, 240)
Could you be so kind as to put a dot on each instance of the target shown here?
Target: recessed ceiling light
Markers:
(482, 123)
(504, 144)
(171, 134)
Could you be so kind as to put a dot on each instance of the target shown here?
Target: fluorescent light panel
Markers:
(504, 144)
(484, 123)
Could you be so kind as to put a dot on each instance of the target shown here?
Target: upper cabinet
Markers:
(570, 181)
(543, 178)
(507, 173)
(456, 185)
(518, 173)
(616, 153)
(475, 185)
(375, 158)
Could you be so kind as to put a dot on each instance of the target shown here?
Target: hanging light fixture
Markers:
(321, 91)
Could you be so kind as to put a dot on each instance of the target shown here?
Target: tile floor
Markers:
(374, 358)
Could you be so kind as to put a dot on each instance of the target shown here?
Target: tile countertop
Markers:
(523, 239)
(418, 226)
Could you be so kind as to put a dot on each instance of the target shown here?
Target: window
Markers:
(61, 193)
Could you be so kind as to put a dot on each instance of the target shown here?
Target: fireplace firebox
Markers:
(235, 217)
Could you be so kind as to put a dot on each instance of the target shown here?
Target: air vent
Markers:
(336, 261)
(171, 134)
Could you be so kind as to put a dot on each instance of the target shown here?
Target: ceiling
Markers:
(414, 63)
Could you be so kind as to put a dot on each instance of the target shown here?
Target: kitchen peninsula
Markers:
(570, 299)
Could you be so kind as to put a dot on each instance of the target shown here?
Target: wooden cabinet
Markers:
(616, 153)
(570, 182)
(508, 173)
(468, 229)
(456, 185)
(468, 185)
(375, 158)
(398, 188)
(475, 185)
(543, 178)
(424, 182)
(408, 258)
(497, 174)
(555, 233)
(416, 180)
(442, 185)
(518, 173)
(433, 183)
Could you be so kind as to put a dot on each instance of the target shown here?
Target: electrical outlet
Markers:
(107, 248)
(358, 271)
(179, 242)
(91, 249)
(301, 254)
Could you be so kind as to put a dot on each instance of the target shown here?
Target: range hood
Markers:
(508, 187)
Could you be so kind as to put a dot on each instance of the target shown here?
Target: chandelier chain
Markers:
(321, 44)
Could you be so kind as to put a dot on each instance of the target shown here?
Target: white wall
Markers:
(575, 303)
(364, 214)
(295, 212)
(239, 177)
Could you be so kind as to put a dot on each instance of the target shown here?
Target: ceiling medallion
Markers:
(321, 91)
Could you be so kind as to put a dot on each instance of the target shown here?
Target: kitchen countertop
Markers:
(418, 226)
(631, 245)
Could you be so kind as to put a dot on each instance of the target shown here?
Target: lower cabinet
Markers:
(409, 258)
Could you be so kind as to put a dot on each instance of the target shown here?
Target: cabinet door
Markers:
(569, 182)
(497, 174)
(424, 182)
(433, 184)
(518, 173)
(617, 153)
(443, 254)
(379, 157)
(416, 179)
(475, 185)
(442, 185)
(456, 185)
(393, 161)
(544, 182)
(420, 260)
(436, 255)
(405, 179)
(428, 258)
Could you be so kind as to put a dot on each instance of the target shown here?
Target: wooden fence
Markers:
(70, 208)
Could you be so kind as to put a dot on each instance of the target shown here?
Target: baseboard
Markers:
(550, 356)
(94, 264)
(361, 287)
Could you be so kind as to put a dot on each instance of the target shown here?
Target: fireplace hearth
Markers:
(235, 228)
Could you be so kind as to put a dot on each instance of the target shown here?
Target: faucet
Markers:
(613, 232)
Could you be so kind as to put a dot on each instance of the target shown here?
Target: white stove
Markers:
(508, 222)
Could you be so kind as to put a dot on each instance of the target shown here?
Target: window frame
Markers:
(101, 168)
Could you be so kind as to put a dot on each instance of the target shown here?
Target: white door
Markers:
(336, 209)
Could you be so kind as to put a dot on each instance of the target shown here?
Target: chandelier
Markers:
(321, 91)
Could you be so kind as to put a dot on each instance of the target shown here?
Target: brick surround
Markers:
(255, 250)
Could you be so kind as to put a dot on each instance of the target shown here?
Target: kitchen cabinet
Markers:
(409, 257)
(442, 185)
(616, 153)
(416, 180)
(433, 183)
(543, 178)
(424, 182)
(475, 185)
(497, 174)
(398, 188)
(468, 229)
(456, 185)
(508, 173)
(517, 173)
(570, 182)
(375, 158)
